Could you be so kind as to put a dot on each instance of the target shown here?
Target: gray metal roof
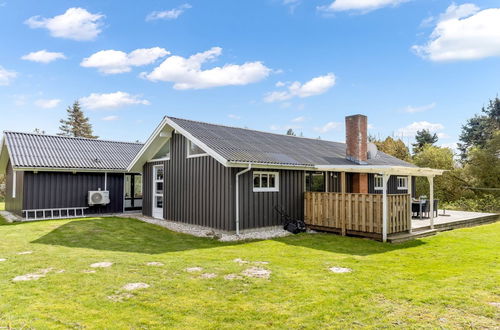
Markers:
(249, 146)
(29, 150)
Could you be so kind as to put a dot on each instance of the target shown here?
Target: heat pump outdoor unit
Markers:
(98, 197)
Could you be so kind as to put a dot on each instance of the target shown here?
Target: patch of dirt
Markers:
(257, 272)
(193, 269)
(135, 286)
(32, 277)
(340, 270)
(25, 252)
(3, 259)
(495, 304)
(208, 275)
(120, 297)
(103, 264)
(261, 262)
(88, 271)
(154, 263)
(241, 261)
(230, 277)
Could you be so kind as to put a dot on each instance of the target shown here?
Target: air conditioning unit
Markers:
(99, 197)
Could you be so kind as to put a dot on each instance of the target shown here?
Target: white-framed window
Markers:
(163, 153)
(402, 182)
(379, 182)
(266, 181)
(194, 151)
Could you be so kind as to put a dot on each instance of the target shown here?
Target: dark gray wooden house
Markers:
(57, 177)
(232, 178)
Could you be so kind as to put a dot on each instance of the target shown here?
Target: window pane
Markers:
(318, 182)
(138, 186)
(256, 180)
(263, 180)
(159, 202)
(159, 187)
(164, 151)
(159, 173)
(194, 149)
(128, 186)
(272, 181)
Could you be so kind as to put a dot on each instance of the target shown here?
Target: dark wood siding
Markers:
(14, 205)
(257, 208)
(392, 185)
(46, 190)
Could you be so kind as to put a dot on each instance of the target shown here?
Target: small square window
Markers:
(402, 182)
(379, 182)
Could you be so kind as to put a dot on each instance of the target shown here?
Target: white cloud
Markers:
(47, 103)
(186, 73)
(359, 5)
(111, 100)
(422, 108)
(280, 84)
(412, 129)
(115, 61)
(6, 76)
(110, 118)
(327, 127)
(232, 116)
(298, 119)
(463, 33)
(75, 23)
(168, 14)
(43, 56)
(315, 86)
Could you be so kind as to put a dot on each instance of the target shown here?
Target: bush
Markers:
(486, 203)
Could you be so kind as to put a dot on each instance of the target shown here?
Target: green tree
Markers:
(76, 125)
(290, 132)
(483, 166)
(450, 186)
(38, 131)
(390, 146)
(423, 137)
(481, 128)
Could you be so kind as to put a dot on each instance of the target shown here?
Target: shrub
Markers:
(486, 203)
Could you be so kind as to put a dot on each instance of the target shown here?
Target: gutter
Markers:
(238, 198)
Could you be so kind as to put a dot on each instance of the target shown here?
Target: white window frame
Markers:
(14, 183)
(404, 180)
(276, 188)
(188, 150)
(376, 178)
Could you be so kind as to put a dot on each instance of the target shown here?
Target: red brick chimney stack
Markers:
(356, 127)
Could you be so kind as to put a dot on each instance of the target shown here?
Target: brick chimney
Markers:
(356, 138)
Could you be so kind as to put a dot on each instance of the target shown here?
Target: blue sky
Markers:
(266, 65)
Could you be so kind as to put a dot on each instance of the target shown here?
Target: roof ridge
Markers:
(71, 137)
(253, 130)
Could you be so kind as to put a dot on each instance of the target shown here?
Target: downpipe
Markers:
(238, 197)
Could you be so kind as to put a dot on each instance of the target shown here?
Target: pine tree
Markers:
(290, 132)
(423, 138)
(77, 125)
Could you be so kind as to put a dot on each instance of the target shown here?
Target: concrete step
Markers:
(403, 237)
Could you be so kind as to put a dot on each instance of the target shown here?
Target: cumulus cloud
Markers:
(115, 61)
(411, 129)
(110, 118)
(463, 32)
(422, 108)
(187, 73)
(315, 86)
(47, 103)
(6, 76)
(43, 56)
(359, 5)
(298, 119)
(330, 126)
(111, 100)
(168, 14)
(75, 23)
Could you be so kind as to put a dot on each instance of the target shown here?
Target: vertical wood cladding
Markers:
(14, 205)
(46, 190)
(257, 208)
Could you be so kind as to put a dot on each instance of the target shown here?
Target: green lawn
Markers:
(449, 280)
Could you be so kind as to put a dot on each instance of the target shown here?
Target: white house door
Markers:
(158, 202)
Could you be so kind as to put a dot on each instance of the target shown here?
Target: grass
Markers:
(448, 280)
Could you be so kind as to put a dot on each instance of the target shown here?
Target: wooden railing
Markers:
(356, 213)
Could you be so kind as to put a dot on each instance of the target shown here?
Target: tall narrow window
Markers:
(265, 181)
(14, 183)
(379, 182)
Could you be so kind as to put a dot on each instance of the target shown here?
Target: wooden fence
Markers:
(359, 214)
